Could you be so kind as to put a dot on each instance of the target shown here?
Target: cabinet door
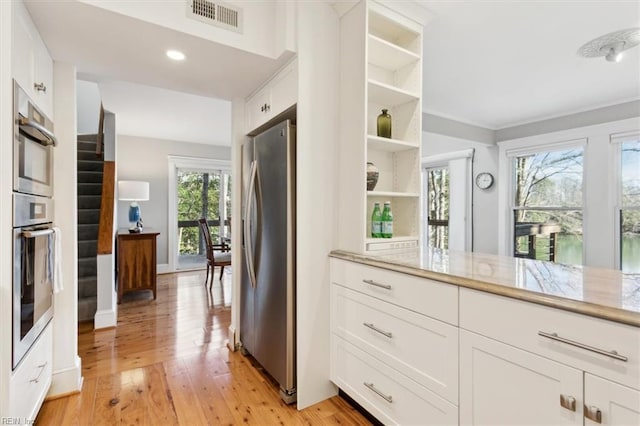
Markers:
(23, 48)
(618, 405)
(502, 385)
(284, 90)
(43, 74)
(256, 109)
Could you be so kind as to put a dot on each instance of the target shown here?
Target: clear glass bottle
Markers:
(387, 220)
(376, 221)
(384, 124)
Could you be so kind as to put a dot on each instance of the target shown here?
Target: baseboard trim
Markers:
(106, 318)
(232, 343)
(67, 380)
(163, 268)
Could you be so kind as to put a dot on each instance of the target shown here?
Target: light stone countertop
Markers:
(602, 293)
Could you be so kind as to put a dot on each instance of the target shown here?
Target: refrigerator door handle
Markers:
(248, 243)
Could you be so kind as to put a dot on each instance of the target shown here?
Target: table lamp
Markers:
(134, 191)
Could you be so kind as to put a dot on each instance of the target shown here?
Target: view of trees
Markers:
(199, 196)
(438, 207)
(548, 190)
(630, 212)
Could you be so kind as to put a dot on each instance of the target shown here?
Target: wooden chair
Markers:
(217, 254)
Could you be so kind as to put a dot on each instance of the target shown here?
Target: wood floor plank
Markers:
(167, 363)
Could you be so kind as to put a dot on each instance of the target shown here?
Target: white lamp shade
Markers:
(133, 190)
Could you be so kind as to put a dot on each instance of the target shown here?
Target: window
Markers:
(629, 203)
(438, 207)
(547, 205)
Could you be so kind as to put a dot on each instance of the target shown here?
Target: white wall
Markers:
(88, 96)
(485, 202)
(317, 127)
(6, 236)
(147, 160)
(599, 187)
(67, 371)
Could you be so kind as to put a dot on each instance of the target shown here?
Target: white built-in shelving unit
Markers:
(381, 67)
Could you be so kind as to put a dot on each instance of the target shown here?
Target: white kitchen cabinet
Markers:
(395, 355)
(520, 357)
(277, 95)
(31, 61)
(31, 380)
(383, 49)
(615, 403)
(503, 385)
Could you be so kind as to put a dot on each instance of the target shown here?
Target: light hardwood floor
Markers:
(167, 363)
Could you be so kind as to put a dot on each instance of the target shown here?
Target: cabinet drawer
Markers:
(419, 347)
(391, 397)
(422, 295)
(31, 380)
(518, 323)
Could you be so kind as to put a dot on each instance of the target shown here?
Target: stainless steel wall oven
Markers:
(33, 143)
(33, 235)
(33, 270)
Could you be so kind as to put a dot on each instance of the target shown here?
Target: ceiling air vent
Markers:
(216, 13)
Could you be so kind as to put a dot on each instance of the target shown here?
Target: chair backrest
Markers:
(204, 227)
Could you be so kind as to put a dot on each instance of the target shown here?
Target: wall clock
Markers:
(484, 180)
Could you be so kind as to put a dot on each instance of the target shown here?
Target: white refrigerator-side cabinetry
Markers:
(278, 94)
(32, 63)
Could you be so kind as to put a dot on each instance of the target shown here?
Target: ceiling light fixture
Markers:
(176, 55)
(611, 45)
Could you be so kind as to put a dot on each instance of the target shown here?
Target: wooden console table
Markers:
(136, 261)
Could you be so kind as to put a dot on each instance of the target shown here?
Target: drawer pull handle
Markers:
(375, 284)
(611, 354)
(568, 402)
(37, 379)
(371, 386)
(374, 328)
(593, 413)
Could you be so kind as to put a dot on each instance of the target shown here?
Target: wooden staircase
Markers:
(90, 174)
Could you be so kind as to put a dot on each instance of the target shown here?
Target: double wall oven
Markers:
(33, 234)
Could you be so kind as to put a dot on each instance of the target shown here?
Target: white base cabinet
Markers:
(31, 380)
(451, 355)
(503, 385)
(617, 404)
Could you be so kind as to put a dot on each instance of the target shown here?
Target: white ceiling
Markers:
(166, 114)
(495, 64)
(501, 63)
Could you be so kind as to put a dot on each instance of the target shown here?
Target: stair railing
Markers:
(105, 226)
(100, 138)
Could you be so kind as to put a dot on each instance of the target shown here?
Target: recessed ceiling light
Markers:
(176, 55)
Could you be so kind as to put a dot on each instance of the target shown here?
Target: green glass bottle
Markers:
(387, 221)
(376, 221)
(384, 124)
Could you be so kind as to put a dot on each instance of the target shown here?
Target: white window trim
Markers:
(617, 139)
(196, 164)
(443, 160)
(520, 147)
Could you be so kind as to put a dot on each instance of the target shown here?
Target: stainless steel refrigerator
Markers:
(267, 297)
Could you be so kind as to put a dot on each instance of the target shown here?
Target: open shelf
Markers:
(389, 56)
(390, 194)
(389, 145)
(389, 96)
(394, 32)
(395, 243)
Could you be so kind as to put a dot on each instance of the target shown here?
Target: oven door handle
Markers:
(34, 234)
(48, 137)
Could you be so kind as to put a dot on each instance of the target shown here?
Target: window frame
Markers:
(509, 175)
(617, 140)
